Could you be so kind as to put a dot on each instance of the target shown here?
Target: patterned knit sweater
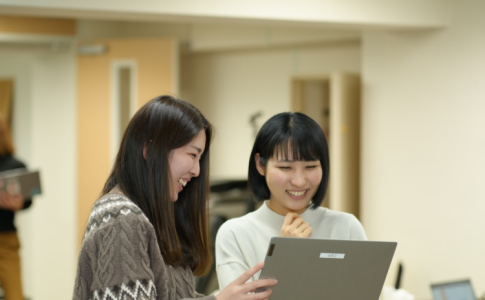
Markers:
(120, 258)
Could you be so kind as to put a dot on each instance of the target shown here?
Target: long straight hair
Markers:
(162, 125)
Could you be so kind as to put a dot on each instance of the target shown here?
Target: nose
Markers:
(195, 169)
(298, 179)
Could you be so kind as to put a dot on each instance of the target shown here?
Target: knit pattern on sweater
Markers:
(120, 258)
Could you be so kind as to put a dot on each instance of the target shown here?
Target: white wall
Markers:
(352, 13)
(45, 135)
(423, 148)
(228, 87)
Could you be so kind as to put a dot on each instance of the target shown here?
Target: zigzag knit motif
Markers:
(138, 290)
(120, 258)
(108, 209)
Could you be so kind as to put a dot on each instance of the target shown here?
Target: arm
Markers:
(230, 261)
(200, 296)
(356, 231)
(115, 259)
(240, 288)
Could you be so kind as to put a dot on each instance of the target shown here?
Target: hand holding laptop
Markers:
(240, 288)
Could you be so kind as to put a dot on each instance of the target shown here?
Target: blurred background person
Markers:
(10, 276)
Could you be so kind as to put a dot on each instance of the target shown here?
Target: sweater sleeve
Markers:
(114, 262)
(357, 231)
(230, 262)
(203, 297)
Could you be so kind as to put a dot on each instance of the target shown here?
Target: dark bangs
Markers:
(293, 150)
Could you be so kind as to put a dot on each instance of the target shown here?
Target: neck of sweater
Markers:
(265, 213)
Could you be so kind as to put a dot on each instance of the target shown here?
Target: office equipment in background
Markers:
(453, 290)
(314, 269)
(21, 181)
(399, 276)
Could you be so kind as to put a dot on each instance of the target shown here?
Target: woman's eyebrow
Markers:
(196, 148)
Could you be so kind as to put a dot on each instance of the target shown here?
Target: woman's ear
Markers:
(259, 166)
(145, 151)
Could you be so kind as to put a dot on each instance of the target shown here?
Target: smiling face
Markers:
(184, 164)
(292, 184)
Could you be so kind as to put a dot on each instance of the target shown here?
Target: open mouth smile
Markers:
(297, 193)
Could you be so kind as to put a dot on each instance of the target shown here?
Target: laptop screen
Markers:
(456, 290)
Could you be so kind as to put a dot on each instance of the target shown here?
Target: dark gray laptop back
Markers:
(310, 269)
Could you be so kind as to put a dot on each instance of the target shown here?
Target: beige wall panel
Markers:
(154, 58)
(344, 149)
(30, 25)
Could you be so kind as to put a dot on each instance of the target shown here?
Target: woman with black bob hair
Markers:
(288, 170)
(147, 235)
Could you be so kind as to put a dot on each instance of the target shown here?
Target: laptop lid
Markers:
(21, 181)
(313, 269)
(453, 290)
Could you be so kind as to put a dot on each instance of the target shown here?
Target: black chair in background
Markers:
(229, 199)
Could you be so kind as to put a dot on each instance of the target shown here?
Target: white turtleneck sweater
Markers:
(242, 242)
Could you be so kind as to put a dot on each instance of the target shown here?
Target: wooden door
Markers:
(114, 78)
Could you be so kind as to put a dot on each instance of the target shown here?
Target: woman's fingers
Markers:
(307, 232)
(289, 218)
(261, 283)
(249, 273)
(301, 230)
(297, 222)
(239, 289)
(262, 295)
(297, 228)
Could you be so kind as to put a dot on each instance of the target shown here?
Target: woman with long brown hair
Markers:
(147, 236)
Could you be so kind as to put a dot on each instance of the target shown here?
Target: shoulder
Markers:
(344, 222)
(119, 249)
(244, 221)
(336, 215)
(112, 210)
(236, 226)
(8, 162)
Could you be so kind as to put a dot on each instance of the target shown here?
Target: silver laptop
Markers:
(310, 269)
(453, 290)
(21, 181)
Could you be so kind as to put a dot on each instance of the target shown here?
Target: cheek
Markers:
(276, 178)
(174, 167)
(315, 177)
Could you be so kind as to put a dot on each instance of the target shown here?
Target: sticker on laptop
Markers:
(332, 255)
